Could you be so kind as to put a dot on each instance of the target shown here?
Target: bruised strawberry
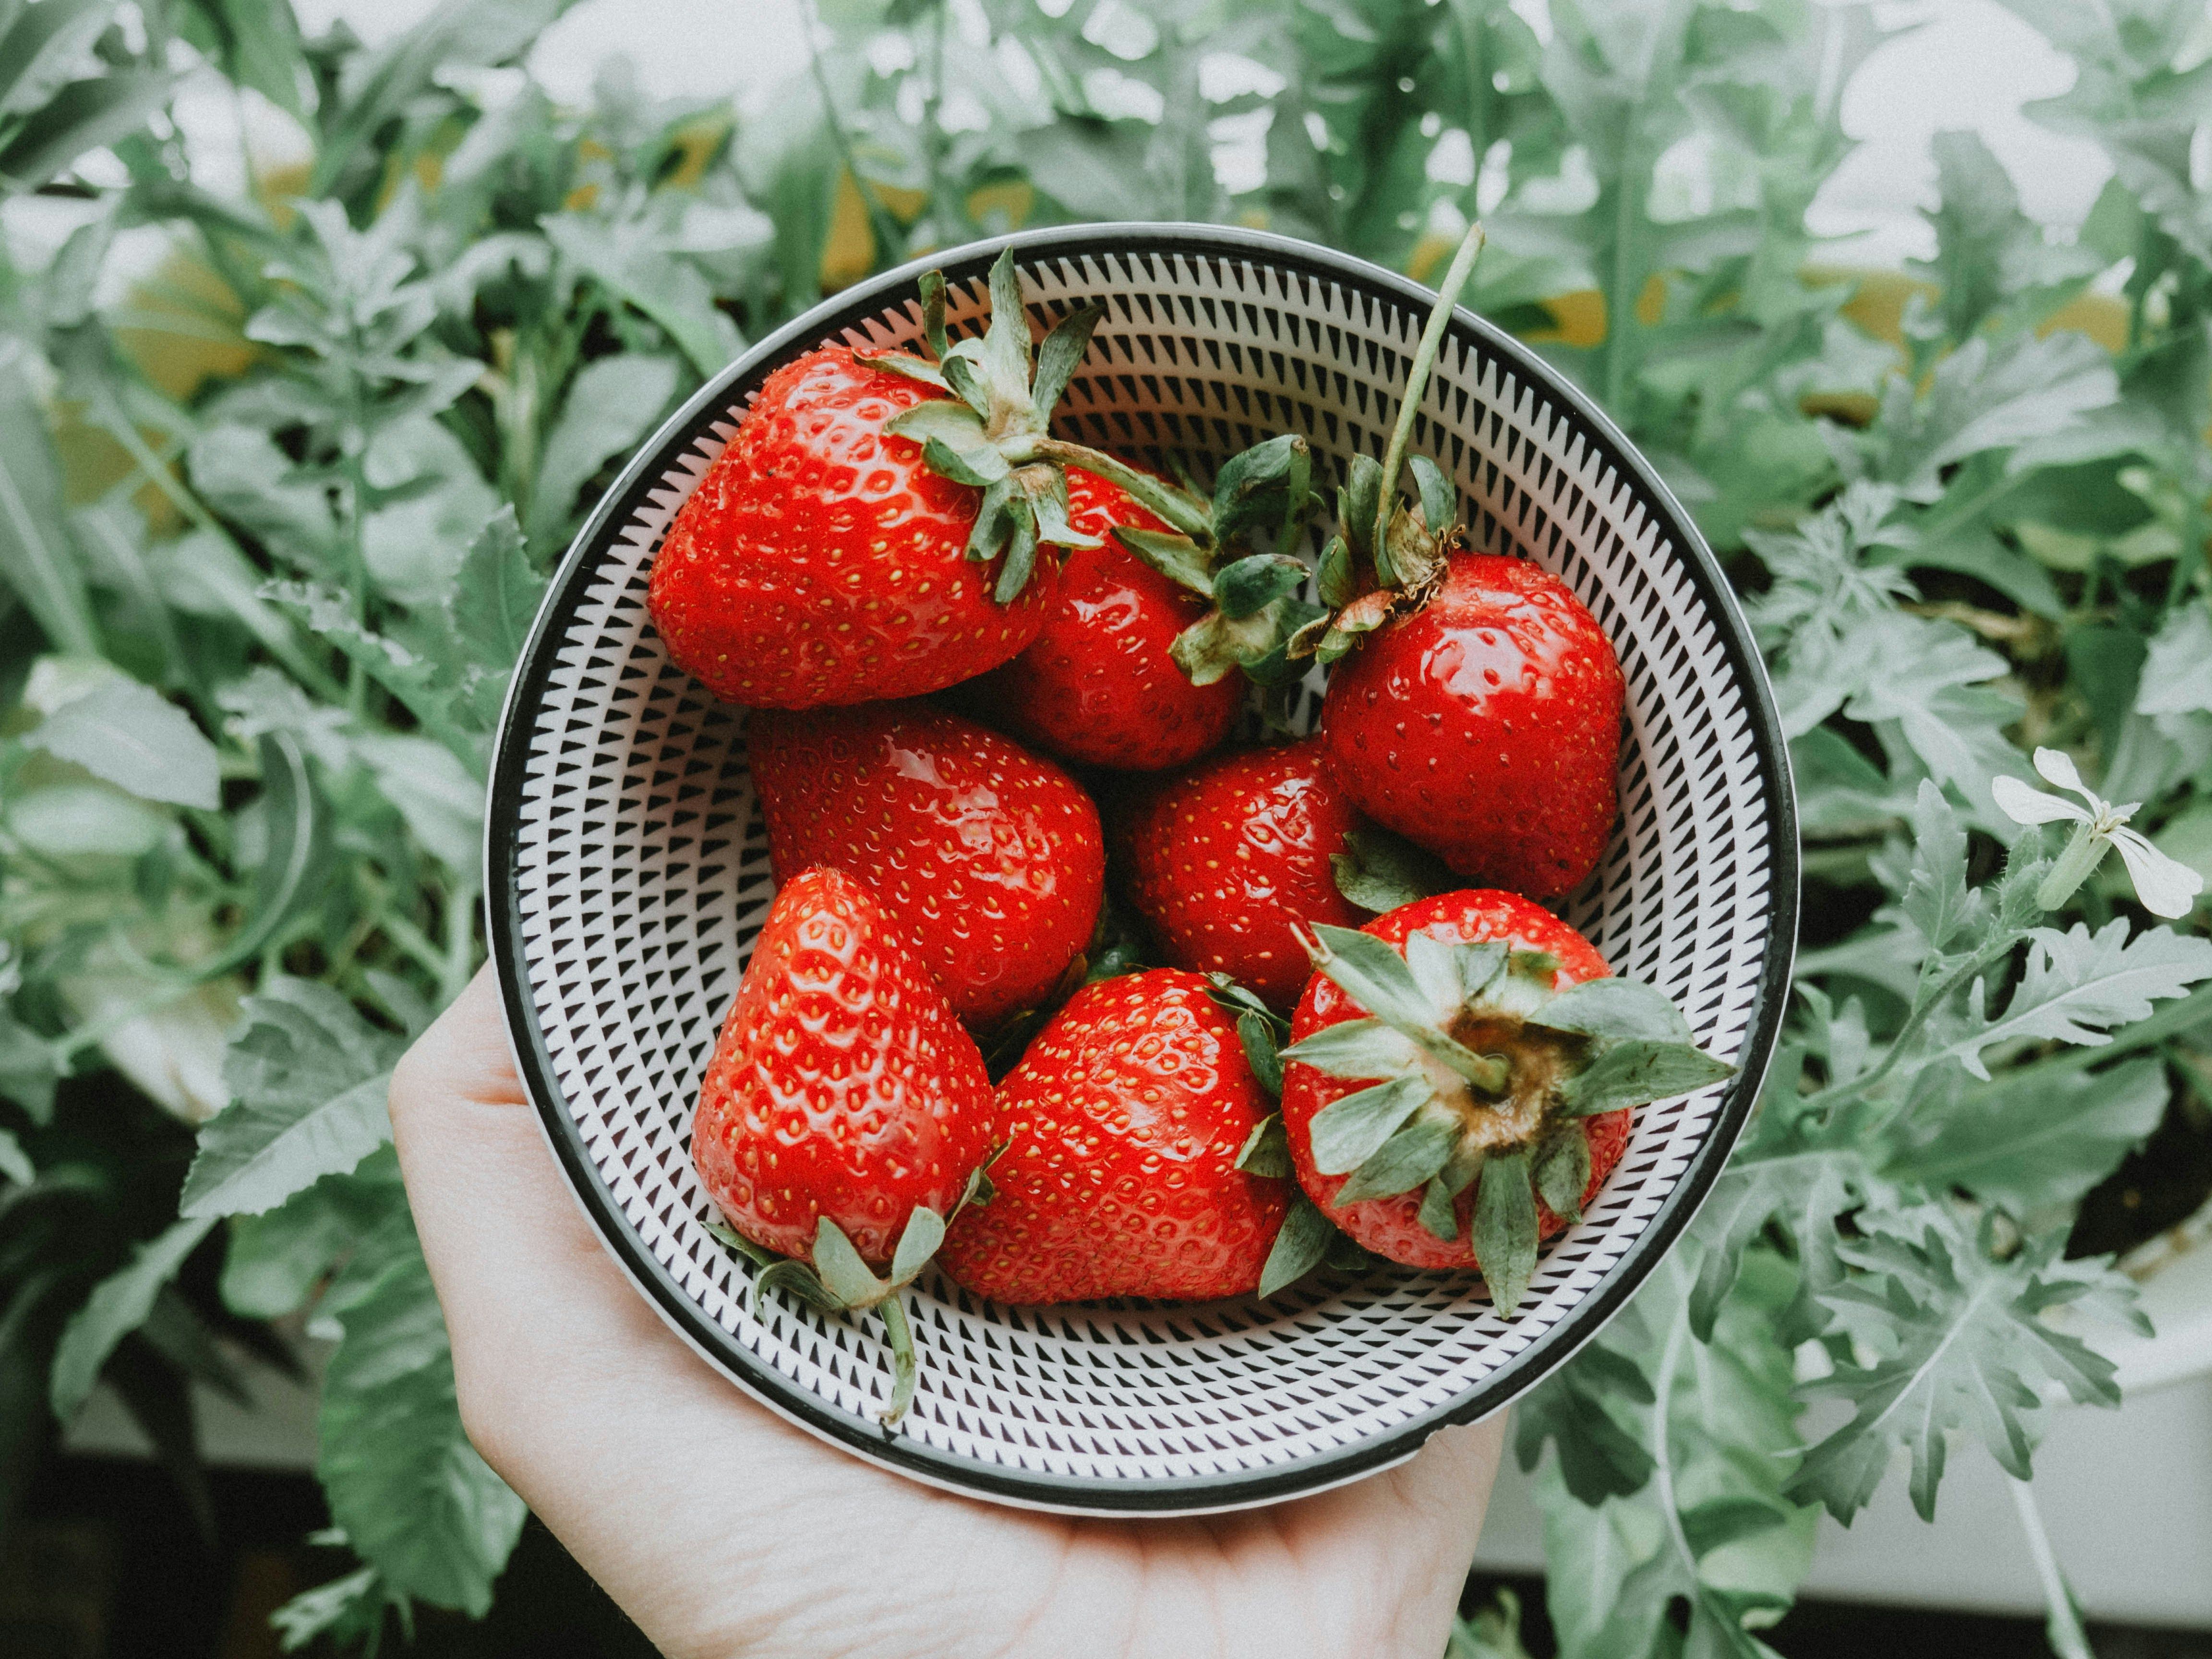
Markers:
(1226, 859)
(989, 857)
(1125, 1121)
(1461, 1077)
(821, 560)
(1486, 726)
(1099, 686)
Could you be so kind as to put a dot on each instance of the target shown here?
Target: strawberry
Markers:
(1461, 1079)
(1476, 708)
(1227, 858)
(1125, 1121)
(1486, 726)
(989, 857)
(1099, 685)
(845, 1114)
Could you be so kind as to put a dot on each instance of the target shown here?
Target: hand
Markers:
(724, 1531)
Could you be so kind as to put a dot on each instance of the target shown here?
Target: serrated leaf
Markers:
(134, 738)
(2030, 1143)
(1937, 899)
(1578, 1409)
(1299, 1247)
(2078, 986)
(1969, 1349)
(119, 1304)
(309, 1078)
(415, 1500)
(1348, 1130)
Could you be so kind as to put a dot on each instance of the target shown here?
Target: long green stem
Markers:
(1416, 381)
(2062, 1625)
(1979, 963)
(905, 1371)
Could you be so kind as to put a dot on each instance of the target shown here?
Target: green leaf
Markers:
(612, 403)
(41, 47)
(16, 1163)
(1299, 1247)
(632, 263)
(1176, 557)
(37, 557)
(1243, 586)
(2078, 986)
(1374, 975)
(1352, 1127)
(1578, 1409)
(1505, 1230)
(1256, 1035)
(84, 115)
(1967, 1347)
(415, 1501)
(309, 1076)
(2031, 1143)
(1267, 1150)
(1632, 1072)
(1061, 354)
(795, 1278)
(1992, 395)
(843, 1272)
(1615, 1008)
(119, 1304)
(1438, 1213)
(258, 44)
(276, 1259)
(136, 738)
(1265, 484)
(1379, 870)
(1563, 1170)
(1403, 1162)
(918, 1241)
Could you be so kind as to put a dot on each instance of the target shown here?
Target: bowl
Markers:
(628, 875)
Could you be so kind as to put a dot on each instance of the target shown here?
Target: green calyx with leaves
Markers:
(1388, 557)
(839, 1280)
(1478, 1073)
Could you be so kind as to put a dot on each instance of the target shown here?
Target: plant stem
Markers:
(2064, 1623)
(905, 1373)
(1980, 962)
(1417, 386)
(885, 229)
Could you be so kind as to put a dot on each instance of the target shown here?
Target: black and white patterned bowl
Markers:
(629, 875)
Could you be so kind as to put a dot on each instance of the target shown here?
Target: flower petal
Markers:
(2167, 886)
(2058, 767)
(2025, 805)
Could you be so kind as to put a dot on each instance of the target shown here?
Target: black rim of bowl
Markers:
(1186, 1494)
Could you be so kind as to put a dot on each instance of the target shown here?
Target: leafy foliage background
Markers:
(273, 519)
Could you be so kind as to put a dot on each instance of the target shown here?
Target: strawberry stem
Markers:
(1417, 384)
(904, 1371)
(1168, 504)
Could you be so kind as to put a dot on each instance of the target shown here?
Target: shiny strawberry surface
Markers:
(1124, 1121)
(1486, 727)
(989, 856)
(842, 1084)
(821, 562)
(1098, 685)
(1224, 857)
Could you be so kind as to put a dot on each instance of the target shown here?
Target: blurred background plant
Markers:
(282, 468)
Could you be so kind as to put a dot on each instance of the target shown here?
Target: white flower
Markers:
(2167, 886)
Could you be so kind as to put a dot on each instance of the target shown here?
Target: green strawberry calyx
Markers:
(1480, 1073)
(1388, 557)
(838, 1280)
(992, 430)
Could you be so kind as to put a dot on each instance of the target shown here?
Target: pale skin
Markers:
(723, 1531)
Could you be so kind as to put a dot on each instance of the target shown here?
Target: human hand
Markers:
(724, 1531)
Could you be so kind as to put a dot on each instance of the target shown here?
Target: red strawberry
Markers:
(989, 857)
(821, 560)
(1477, 710)
(1461, 1077)
(1486, 727)
(1098, 686)
(1227, 858)
(846, 1115)
(1125, 1121)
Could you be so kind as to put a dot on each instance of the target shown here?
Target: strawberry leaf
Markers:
(1352, 1128)
(1616, 1008)
(924, 1231)
(1355, 1049)
(1632, 1072)
(1379, 870)
(1299, 1247)
(1505, 1228)
(1562, 1170)
(843, 1272)
(1403, 1162)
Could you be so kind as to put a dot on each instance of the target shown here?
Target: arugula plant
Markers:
(279, 506)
